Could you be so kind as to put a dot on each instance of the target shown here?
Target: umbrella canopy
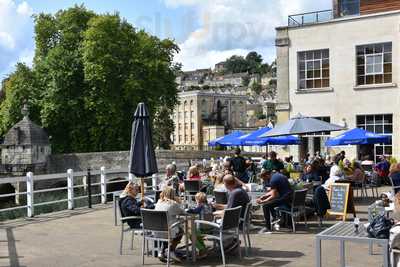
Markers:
(357, 136)
(227, 140)
(142, 159)
(254, 139)
(301, 125)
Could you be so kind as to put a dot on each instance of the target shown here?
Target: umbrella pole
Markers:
(142, 188)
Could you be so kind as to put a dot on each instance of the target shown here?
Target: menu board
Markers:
(338, 198)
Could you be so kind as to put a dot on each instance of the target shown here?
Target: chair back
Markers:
(299, 198)
(121, 211)
(221, 197)
(231, 218)
(154, 220)
(246, 215)
(192, 186)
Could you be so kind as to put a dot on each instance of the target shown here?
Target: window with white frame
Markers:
(374, 63)
(313, 69)
(380, 124)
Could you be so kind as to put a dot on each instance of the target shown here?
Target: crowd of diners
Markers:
(232, 175)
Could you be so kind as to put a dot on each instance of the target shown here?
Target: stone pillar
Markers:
(282, 44)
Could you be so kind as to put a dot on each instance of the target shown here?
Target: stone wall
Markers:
(119, 159)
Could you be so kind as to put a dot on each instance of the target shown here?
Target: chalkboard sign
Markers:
(338, 198)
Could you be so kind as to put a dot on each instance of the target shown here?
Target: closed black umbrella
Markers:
(142, 158)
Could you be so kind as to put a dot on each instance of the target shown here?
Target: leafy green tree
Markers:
(256, 87)
(18, 88)
(90, 72)
(236, 64)
(254, 61)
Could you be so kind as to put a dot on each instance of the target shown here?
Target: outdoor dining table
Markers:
(189, 219)
(345, 231)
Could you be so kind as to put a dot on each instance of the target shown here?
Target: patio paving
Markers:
(88, 238)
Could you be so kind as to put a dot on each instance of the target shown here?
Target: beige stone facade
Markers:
(198, 109)
(361, 85)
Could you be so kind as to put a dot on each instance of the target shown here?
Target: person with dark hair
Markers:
(279, 195)
(382, 169)
(273, 164)
(239, 166)
(310, 174)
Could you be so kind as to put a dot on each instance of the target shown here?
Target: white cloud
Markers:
(16, 34)
(236, 27)
(6, 40)
(24, 9)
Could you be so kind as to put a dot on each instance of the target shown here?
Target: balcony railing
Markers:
(299, 20)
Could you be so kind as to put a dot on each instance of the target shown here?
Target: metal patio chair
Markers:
(124, 222)
(297, 208)
(228, 227)
(156, 228)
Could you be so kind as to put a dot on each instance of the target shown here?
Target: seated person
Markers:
(336, 174)
(394, 174)
(130, 206)
(279, 195)
(219, 185)
(237, 196)
(273, 164)
(310, 175)
(171, 178)
(347, 168)
(193, 173)
(358, 173)
(169, 202)
(206, 213)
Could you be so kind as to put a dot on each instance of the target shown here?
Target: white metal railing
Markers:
(106, 177)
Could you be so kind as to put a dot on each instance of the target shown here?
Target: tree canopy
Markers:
(252, 63)
(89, 73)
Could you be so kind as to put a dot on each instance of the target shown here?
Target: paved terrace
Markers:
(86, 237)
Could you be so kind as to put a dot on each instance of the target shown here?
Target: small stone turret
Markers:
(26, 146)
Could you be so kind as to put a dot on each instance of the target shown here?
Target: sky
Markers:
(207, 31)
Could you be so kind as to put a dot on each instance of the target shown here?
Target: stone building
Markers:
(342, 66)
(26, 147)
(203, 114)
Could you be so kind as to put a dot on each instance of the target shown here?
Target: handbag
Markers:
(380, 227)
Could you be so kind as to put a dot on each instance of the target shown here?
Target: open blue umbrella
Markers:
(358, 136)
(142, 158)
(227, 140)
(254, 139)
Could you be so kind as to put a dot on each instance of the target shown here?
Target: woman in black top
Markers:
(129, 205)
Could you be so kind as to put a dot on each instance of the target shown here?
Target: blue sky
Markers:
(207, 31)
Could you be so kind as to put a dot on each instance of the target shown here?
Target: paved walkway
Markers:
(89, 238)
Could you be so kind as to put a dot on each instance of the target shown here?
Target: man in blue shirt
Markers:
(279, 195)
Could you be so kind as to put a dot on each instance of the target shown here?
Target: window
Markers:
(192, 138)
(179, 126)
(186, 138)
(374, 63)
(186, 126)
(313, 69)
(349, 7)
(192, 125)
(191, 114)
(380, 124)
(180, 139)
